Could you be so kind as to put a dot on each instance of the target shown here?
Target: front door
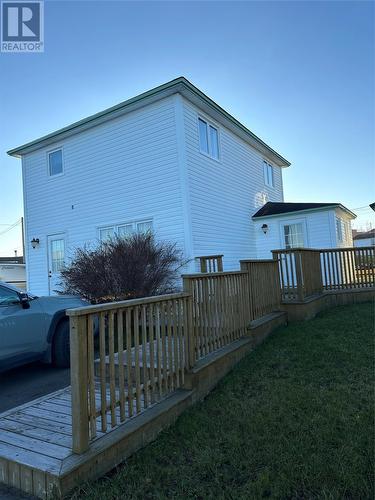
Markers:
(56, 260)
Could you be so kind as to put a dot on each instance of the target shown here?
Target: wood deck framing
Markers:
(36, 442)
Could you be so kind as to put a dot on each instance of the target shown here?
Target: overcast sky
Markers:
(299, 74)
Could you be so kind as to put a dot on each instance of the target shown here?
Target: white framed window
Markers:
(125, 229)
(294, 235)
(208, 139)
(342, 229)
(55, 162)
(105, 233)
(57, 254)
(268, 174)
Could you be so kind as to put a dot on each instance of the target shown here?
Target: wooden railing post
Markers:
(79, 383)
(299, 274)
(189, 330)
(220, 263)
(203, 263)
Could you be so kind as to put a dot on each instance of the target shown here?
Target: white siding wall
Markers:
(365, 242)
(124, 170)
(225, 194)
(319, 231)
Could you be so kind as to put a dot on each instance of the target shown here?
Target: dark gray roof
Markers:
(178, 85)
(365, 235)
(276, 208)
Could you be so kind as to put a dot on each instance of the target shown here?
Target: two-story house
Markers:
(170, 160)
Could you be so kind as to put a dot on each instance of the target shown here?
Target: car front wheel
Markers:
(61, 346)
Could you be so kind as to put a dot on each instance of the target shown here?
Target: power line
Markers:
(12, 226)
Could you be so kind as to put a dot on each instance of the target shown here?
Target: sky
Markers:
(300, 75)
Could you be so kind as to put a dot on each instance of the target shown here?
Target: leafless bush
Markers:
(123, 268)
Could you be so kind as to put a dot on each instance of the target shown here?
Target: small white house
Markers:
(310, 225)
(170, 160)
(364, 239)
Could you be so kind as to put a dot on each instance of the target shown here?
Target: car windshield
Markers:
(18, 290)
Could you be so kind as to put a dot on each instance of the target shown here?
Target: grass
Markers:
(294, 420)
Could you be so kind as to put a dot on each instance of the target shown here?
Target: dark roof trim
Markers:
(275, 209)
(365, 235)
(178, 85)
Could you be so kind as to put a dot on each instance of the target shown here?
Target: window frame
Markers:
(292, 222)
(213, 125)
(134, 223)
(344, 229)
(267, 166)
(48, 153)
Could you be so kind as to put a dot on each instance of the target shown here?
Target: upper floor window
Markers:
(268, 174)
(124, 230)
(55, 162)
(208, 139)
(294, 235)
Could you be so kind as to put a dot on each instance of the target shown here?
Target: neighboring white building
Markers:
(364, 239)
(170, 160)
(310, 225)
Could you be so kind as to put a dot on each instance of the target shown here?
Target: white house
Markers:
(364, 239)
(311, 225)
(170, 160)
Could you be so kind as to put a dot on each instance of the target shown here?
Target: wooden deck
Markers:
(36, 442)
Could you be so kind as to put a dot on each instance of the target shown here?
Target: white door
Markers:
(56, 260)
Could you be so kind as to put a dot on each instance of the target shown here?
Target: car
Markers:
(34, 328)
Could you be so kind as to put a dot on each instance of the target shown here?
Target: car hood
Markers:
(61, 302)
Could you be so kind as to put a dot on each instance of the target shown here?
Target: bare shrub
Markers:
(123, 268)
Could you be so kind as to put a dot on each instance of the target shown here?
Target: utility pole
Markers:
(23, 239)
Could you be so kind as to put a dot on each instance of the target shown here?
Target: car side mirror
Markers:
(24, 300)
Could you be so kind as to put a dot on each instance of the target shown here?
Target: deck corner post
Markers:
(190, 339)
(79, 383)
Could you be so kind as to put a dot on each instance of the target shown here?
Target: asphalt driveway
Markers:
(29, 382)
(24, 384)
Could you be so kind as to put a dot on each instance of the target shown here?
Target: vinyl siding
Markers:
(319, 231)
(225, 194)
(124, 170)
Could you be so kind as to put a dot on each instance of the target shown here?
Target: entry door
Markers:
(56, 260)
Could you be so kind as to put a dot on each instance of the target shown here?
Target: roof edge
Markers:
(173, 86)
(316, 209)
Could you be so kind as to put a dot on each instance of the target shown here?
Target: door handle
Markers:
(50, 274)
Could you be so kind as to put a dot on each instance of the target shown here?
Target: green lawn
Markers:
(294, 420)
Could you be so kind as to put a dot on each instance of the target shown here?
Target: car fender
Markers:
(57, 317)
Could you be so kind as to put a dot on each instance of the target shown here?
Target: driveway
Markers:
(29, 382)
(24, 384)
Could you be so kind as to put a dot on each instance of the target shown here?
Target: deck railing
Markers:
(346, 268)
(220, 309)
(307, 272)
(264, 287)
(125, 356)
(211, 263)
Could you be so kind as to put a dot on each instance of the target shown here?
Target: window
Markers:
(8, 297)
(293, 235)
(124, 230)
(106, 232)
(55, 163)
(268, 174)
(208, 139)
(57, 255)
(144, 227)
(342, 229)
